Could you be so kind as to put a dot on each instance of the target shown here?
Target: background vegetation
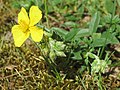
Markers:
(80, 49)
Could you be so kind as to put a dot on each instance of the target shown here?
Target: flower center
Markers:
(24, 25)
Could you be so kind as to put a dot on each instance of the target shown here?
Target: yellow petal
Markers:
(18, 35)
(36, 33)
(23, 18)
(35, 15)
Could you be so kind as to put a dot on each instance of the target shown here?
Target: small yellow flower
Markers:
(26, 26)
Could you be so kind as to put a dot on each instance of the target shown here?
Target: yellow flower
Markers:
(26, 27)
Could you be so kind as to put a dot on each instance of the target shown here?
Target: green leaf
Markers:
(111, 39)
(56, 2)
(81, 9)
(56, 48)
(71, 18)
(52, 55)
(59, 45)
(115, 19)
(106, 38)
(91, 55)
(96, 35)
(59, 31)
(70, 24)
(118, 1)
(71, 34)
(110, 6)
(82, 69)
(77, 55)
(94, 23)
(60, 53)
(118, 28)
(98, 42)
(82, 33)
(99, 66)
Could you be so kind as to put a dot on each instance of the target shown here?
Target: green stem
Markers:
(100, 81)
(36, 2)
(102, 51)
(69, 55)
(103, 48)
(46, 12)
(107, 30)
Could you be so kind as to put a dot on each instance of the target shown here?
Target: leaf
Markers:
(118, 28)
(115, 19)
(99, 66)
(107, 18)
(98, 42)
(82, 69)
(71, 34)
(81, 9)
(91, 55)
(59, 31)
(118, 1)
(111, 39)
(96, 35)
(72, 18)
(59, 45)
(77, 55)
(94, 23)
(82, 33)
(55, 2)
(110, 6)
(52, 55)
(70, 24)
(56, 48)
(60, 53)
(106, 38)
